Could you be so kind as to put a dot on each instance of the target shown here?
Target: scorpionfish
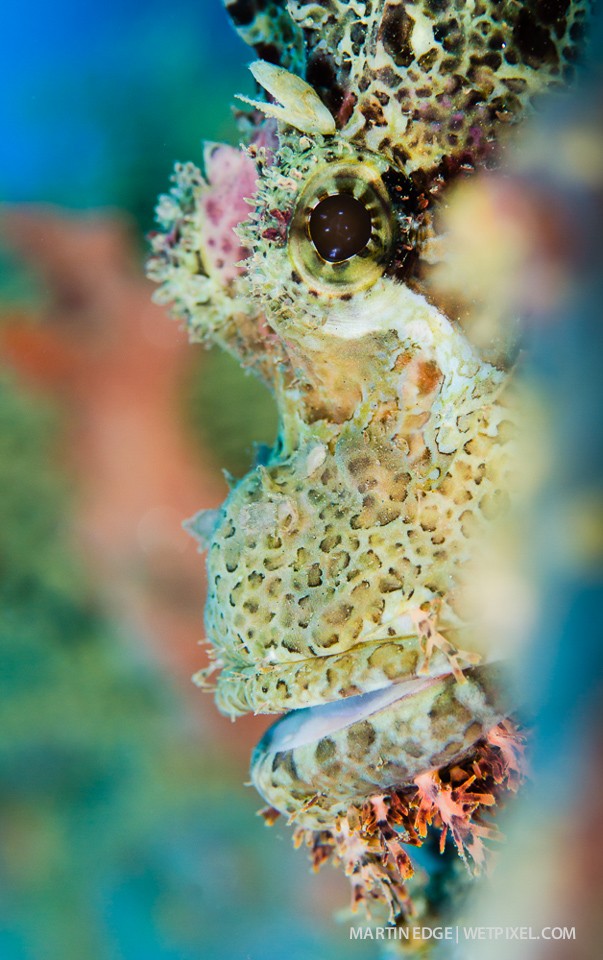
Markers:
(342, 567)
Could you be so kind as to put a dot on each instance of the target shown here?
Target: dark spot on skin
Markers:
(325, 750)
(428, 59)
(340, 615)
(242, 12)
(357, 33)
(496, 41)
(472, 99)
(329, 642)
(322, 74)
(395, 32)
(268, 52)
(360, 737)
(492, 60)
(357, 465)
(413, 749)
(551, 11)
(283, 690)
(448, 65)
(388, 77)
(449, 36)
(533, 41)
(284, 761)
(515, 85)
(372, 112)
(389, 585)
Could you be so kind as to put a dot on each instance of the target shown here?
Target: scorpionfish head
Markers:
(331, 225)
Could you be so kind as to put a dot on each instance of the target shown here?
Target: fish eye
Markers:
(340, 227)
(341, 233)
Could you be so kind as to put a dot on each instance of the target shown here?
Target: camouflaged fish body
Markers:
(340, 569)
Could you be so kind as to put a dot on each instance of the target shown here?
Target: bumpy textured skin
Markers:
(267, 26)
(436, 78)
(359, 517)
(341, 564)
(418, 82)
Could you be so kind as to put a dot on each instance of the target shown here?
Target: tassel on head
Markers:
(298, 104)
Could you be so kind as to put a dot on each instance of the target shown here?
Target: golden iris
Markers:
(341, 232)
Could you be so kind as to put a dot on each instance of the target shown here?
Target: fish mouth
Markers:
(368, 667)
(309, 724)
(315, 762)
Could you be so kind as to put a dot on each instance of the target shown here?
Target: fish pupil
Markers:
(340, 227)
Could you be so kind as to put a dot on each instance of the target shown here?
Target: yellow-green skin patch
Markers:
(354, 524)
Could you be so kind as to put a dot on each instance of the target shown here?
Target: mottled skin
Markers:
(342, 563)
(390, 453)
(418, 82)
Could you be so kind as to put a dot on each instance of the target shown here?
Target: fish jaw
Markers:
(314, 764)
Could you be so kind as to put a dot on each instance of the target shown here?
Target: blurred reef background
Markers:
(126, 832)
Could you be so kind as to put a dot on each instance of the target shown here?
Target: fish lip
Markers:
(309, 724)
